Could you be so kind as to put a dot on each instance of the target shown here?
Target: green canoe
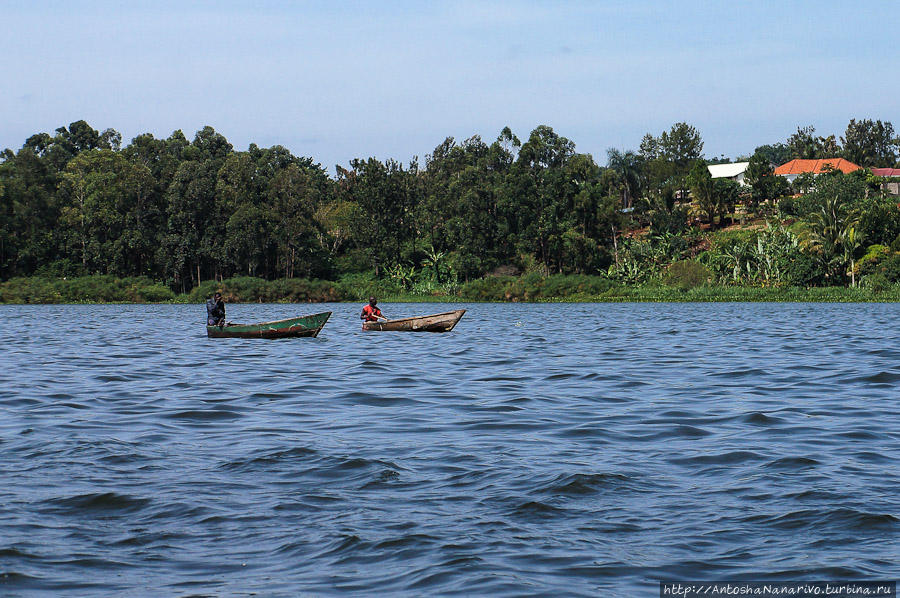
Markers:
(305, 326)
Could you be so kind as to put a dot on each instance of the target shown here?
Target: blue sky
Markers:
(392, 79)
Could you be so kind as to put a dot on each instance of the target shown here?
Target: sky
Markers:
(389, 79)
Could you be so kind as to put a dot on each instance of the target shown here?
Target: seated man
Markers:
(215, 310)
(371, 313)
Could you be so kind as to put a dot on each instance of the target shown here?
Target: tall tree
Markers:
(758, 176)
(776, 153)
(805, 145)
(681, 146)
(294, 195)
(871, 143)
(629, 167)
(703, 190)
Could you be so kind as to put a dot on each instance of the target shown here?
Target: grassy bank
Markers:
(106, 289)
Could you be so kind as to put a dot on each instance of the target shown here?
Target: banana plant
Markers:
(434, 259)
(404, 275)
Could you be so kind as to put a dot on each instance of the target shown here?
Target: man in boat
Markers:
(215, 310)
(370, 312)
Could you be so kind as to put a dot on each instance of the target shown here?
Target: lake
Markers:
(538, 449)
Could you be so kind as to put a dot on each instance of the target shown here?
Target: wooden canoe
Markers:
(292, 327)
(433, 323)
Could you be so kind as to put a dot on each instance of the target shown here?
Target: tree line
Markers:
(186, 211)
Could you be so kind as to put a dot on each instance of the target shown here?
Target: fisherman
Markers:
(371, 313)
(215, 310)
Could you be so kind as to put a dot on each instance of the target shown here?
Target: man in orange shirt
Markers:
(370, 313)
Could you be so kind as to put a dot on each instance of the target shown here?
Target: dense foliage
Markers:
(171, 215)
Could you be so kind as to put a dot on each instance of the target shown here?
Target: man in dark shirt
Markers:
(215, 310)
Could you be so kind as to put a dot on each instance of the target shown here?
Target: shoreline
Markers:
(100, 290)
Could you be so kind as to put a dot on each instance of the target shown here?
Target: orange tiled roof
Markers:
(816, 166)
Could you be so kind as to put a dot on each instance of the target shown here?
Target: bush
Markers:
(203, 291)
(491, 288)
(686, 274)
(361, 286)
(804, 270)
(247, 289)
(868, 263)
(668, 221)
(787, 207)
(143, 290)
(86, 289)
(297, 290)
(877, 283)
(154, 293)
(574, 285)
(534, 287)
(29, 290)
(890, 268)
(879, 221)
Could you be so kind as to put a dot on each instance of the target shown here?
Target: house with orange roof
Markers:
(791, 170)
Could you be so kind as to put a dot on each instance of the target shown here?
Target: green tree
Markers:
(758, 176)
(105, 197)
(703, 190)
(870, 143)
(804, 144)
(775, 154)
(629, 167)
(833, 222)
(295, 194)
(668, 158)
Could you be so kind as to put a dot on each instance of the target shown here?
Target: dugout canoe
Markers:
(292, 327)
(434, 323)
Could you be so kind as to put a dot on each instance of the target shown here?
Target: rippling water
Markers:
(536, 449)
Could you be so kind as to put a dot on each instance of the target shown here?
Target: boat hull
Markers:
(290, 328)
(434, 323)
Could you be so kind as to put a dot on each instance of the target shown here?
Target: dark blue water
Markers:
(534, 450)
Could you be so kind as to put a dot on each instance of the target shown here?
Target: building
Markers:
(791, 170)
(734, 171)
(892, 175)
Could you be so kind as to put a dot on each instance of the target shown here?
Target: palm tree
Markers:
(833, 232)
(629, 167)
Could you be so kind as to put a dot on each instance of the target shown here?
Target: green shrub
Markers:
(29, 290)
(804, 270)
(686, 274)
(361, 286)
(874, 255)
(154, 293)
(203, 291)
(492, 288)
(879, 220)
(534, 287)
(877, 282)
(787, 207)
(88, 289)
(890, 268)
(573, 285)
(247, 289)
(298, 290)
